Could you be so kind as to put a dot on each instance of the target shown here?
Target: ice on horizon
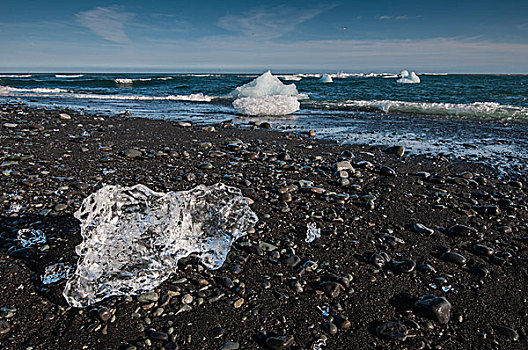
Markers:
(133, 237)
(326, 79)
(266, 95)
(408, 78)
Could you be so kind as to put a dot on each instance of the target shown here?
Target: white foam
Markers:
(15, 76)
(290, 77)
(476, 109)
(124, 81)
(326, 79)
(408, 78)
(267, 105)
(69, 76)
(8, 90)
(265, 85)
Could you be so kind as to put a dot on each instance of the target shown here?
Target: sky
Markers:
(253, 36)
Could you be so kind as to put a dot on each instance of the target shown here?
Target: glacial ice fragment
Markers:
(55, 273)
(326, 79)
(266, 95)
(312, 232)
(133, 237)
(268, 105)
(265, 85)
(408, 78)
(28, 237)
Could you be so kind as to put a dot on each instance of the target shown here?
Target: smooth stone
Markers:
(4, 327)
(148, 297)
(479, 271)
(205, 166)
(461, 230)
(216, 333)
(156, 335)
(64, 116)
(377, 260)
(330, 328)
(342, 322)
(508, 332)
(291, 261)
(230, 346)
(344, 166)
(481, 249)
(434, 307)
(331, 289)
(104, 314)
(280, 343)
(392, 330)
(420, 228)
(133, 153)
(454, 258)
(387, 171)
(396, 150)
(404, 266)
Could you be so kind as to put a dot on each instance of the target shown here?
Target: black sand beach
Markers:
(416, 252)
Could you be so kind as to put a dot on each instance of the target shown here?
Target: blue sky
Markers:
(354, 36)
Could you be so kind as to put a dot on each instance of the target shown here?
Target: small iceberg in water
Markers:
(408, 78)
(326, 79)
(266, 95)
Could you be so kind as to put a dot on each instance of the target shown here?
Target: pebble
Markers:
(481, 249)
(133, 153)
(291, 261)
(507, 332)
(104, 314)
(160, 336)
(280, 343)
(342, 322)
(434, 307)
(330, 328)
(230, 346)
(331, 289)
(65, 116)
(454, 258)
(148, 297)
(344, 166)
(396, 150)
(4, 327)
(461, 230)
(392, 330)
(420, 228)
(387, 171)
(205, 166)
(404, 266)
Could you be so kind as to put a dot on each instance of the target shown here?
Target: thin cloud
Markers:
(107, 22)
(268, 23)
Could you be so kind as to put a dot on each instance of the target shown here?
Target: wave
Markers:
(129, 81)
(6, 90)
(476, 109)
(15, 76)
(43, 92)
(71, 76)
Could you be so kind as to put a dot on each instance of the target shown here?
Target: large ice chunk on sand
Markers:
(133, 237)
(267, 105)
(265, 85)
(266, 95)
(408, 78)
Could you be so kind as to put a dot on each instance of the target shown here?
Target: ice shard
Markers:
(133, 237)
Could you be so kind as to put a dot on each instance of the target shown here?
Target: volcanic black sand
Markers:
(415, 252)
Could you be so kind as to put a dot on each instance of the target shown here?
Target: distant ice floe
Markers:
(408, 78)
(290, 77)
(266, 95)
(15, 76)
(326, 79)
(129, 81)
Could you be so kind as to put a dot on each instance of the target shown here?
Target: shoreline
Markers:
(262, 297)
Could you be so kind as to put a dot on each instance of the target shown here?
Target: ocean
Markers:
(476, 117)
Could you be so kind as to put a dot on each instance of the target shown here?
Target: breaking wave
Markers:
(69, 76)
(476, 109)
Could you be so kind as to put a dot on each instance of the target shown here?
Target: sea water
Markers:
(475, 116)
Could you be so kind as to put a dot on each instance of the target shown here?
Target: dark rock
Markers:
(280, 343)
(330, 328)
(171, 346)
(377, 260)
(454, 258)
(403, 266)
(4, 327)
(291, 261)
(216, 333)
(508, 332)
(479, 271)
(104, 314)
(461, 230)
(331, 289)
(156, 335)
(387, 171)
(434, 307)
(392, 330)
(396, 150)
(133, 153)
(230, 346)
(420, 228)
(342, 322)
(482, 250)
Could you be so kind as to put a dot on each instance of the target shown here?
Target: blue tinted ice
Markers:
(27, 237)
(133, 237)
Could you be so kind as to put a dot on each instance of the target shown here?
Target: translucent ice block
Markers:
(133, 237)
